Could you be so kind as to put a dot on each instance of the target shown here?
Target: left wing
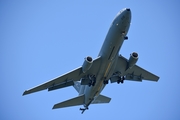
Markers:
(66, 79)
(136, 73)
(74, 75)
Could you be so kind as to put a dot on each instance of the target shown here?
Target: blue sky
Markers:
(40, 40)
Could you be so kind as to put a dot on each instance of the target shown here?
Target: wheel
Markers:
(126, 38)
(93, 83)
(122, 81)
(105, 81)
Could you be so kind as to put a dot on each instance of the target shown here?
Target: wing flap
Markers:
(62, 85)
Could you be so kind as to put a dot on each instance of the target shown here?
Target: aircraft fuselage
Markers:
(109, 54)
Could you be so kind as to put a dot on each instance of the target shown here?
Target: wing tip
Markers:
(157, 78)
(55, 106)
(25, 93)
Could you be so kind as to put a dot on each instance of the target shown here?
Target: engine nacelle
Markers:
(132, 59)
(88, 61)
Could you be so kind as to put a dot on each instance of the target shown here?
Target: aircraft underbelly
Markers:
(106, 72)
(93, 91)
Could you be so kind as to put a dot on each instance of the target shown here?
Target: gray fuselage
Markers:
(108, 54)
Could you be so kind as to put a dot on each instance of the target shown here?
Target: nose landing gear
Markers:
(126, 38)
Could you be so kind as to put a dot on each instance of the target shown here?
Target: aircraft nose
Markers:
(127, 14)
(128, 9)
(123, 16)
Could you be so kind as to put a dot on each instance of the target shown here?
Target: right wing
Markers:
(66, 79)
(136, 73)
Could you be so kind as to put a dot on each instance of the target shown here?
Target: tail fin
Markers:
(77, 86)
(72, 102)
(101, 99)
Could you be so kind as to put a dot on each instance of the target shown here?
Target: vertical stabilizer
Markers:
(77, 86)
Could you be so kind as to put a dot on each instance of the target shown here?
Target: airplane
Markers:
(92, 77)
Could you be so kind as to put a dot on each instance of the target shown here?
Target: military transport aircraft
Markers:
(91, 78)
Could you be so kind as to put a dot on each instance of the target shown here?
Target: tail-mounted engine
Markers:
(88, 61)
(132, 59)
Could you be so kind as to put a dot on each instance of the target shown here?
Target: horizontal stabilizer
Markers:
(72, 102)
(101, 99)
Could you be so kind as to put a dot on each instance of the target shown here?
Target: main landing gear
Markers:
(92, 83)
(121, 80)
(92, 80)
(106, 82)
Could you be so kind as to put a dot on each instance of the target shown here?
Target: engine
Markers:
(132, 59)
(87, 64)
